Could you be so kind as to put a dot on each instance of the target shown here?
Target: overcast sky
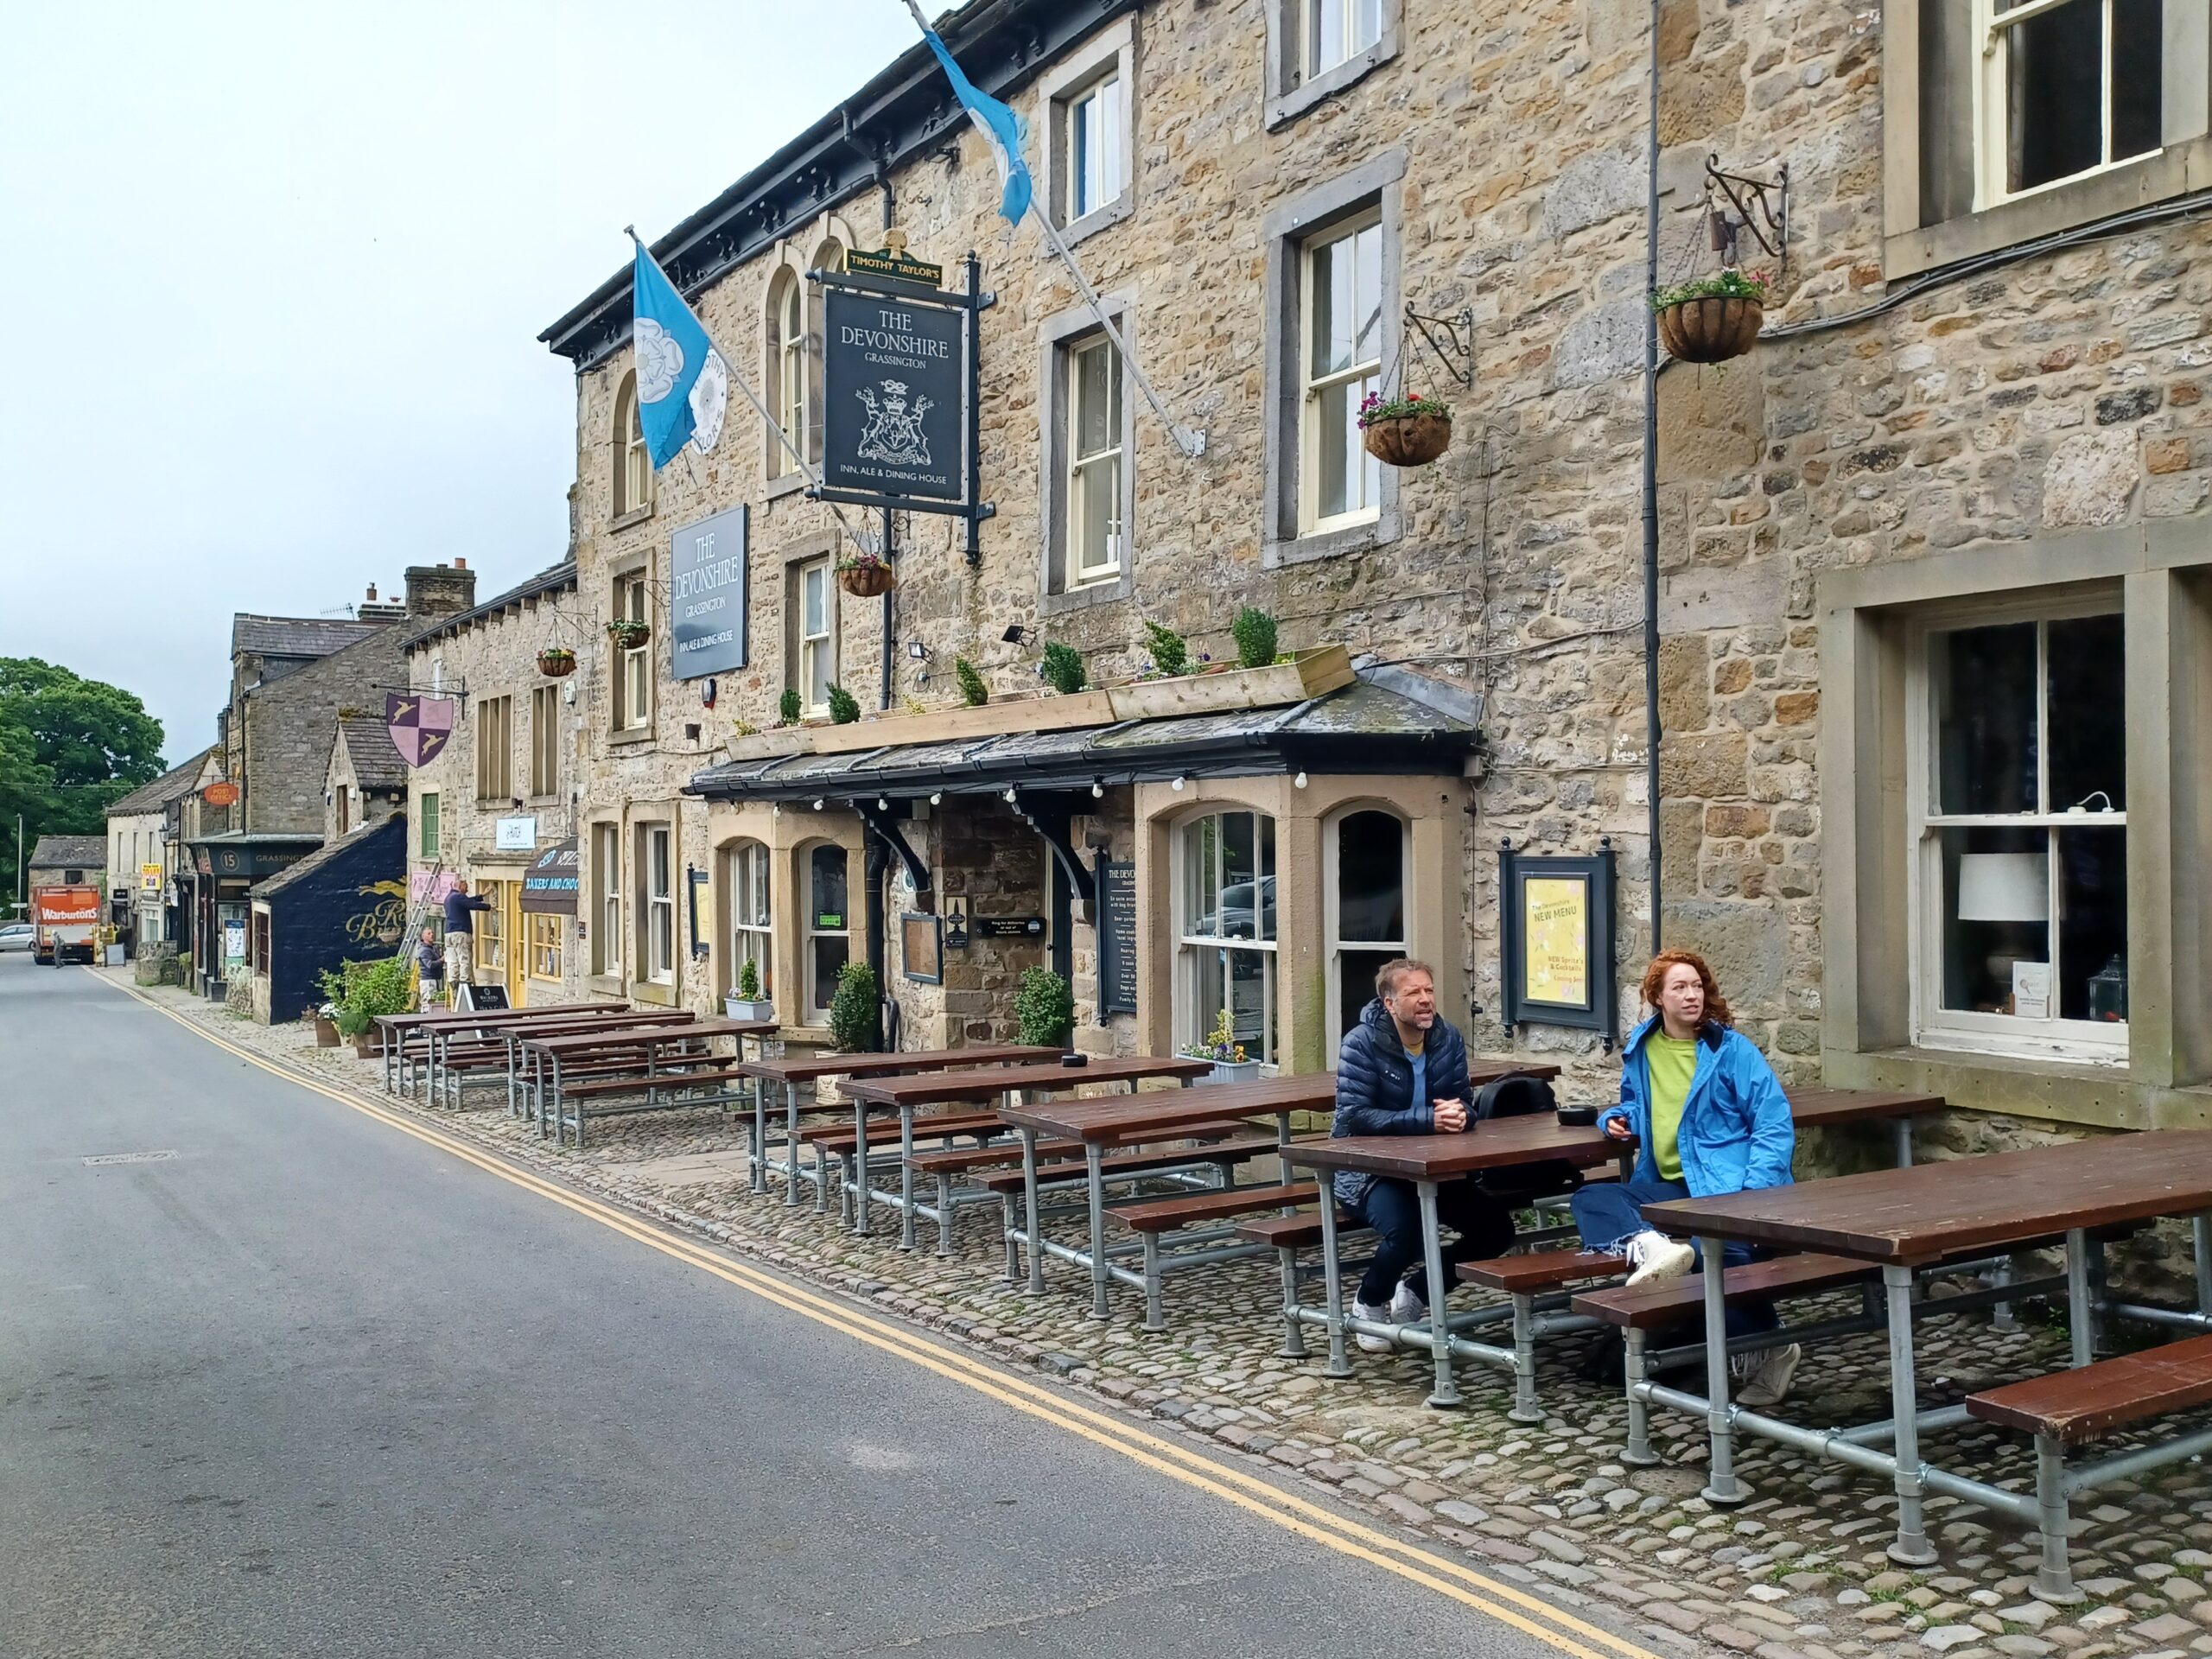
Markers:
(275, 275)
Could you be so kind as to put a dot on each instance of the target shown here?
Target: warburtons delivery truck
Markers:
(67, 920)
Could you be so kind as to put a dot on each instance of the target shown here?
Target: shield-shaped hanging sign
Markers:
(419, 726)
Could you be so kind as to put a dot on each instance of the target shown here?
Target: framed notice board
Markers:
(921, 947)
(1117, 938)
(1555, 933)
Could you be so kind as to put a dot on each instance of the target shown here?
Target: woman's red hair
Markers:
(1717, 1010)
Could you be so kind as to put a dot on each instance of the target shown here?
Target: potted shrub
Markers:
(1220, 1046)
(1712, 319)
(1254, 633)
(628, 633)
(973, 690)
(1063, 669)
(557, 662)
(1044, 1007)
(854, 1019)
(788, 707)
(326, 1025)
(370, 989)
(865, 575)
(1170, 652)
(1404, 431)
(746, 1003)
(844, 707)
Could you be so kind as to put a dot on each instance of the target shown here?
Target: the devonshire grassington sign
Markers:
(705, 596)
(894, 378)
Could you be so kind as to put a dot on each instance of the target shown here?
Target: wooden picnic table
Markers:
(511, 1036)
(1820, 1107)
(905, 1094)
(644, 1043)
(791, 1072)
(392, 1029)
(1905, 1218)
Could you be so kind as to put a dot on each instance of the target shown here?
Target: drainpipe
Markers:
(1652, 485)
(891, 597)
(872, 863)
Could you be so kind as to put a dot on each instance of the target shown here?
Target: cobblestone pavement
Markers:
(1798, 1570)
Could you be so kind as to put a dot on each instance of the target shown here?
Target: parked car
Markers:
(16, 935)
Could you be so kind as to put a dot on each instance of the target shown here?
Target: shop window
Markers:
(657, 902)
(607, 899)
(490, 944)
(633, 680)
(745, 879)
(2070, 87)
(1341, 359)
(2019, 819)
(814, 604)
(546, 942)
(633, 466)
(827, 936)
(495, 750)
(1226, 950)
(1366, 853)
(545, 740)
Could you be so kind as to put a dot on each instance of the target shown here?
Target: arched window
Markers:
(787, 376)
(745, 879)
(826, 932)
(830, 255)
(1225, 943)
(633, 467)
(1366, 862)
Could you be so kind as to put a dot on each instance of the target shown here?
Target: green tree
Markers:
(68, 747)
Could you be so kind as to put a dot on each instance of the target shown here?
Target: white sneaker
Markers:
(1405, 1308)
(1372, 1345)
(1656, 1258)
(1770, 1376)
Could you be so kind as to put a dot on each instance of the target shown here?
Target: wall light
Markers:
(882, 805)
(937, 797)
(1016, 635)
(817, 805)
(1178, 784)
(1008, 796)
(1299, 782)
(1098, 789)
(917, 650)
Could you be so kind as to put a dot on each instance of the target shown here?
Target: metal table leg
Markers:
(2080, 1320)
(1094, 1161)
(1901, 1130)
(790, 1145)
(1446, 1396)
(1332, 1278)
(1910, 1548)
(2200, 1240)
(1029, 1201)
(1721, 1486)
(905, 1176)
(760, 1134)
(860, 1169)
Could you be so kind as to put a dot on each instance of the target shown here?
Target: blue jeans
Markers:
(1611, 1212)
(1392, 1210)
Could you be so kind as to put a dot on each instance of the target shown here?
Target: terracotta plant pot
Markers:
(556, 664)
(866, 581)
(1409, 441)
(365, 1046)
(1710, 330)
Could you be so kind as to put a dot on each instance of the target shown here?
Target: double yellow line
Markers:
(1231, 1485)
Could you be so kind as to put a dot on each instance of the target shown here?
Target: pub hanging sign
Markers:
(899, 392)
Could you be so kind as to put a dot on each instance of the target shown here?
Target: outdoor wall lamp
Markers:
(818, 806)
(1008, 796)
(881, 804)
(1016, 635)
(917, 650)
(1098, 789)
(937, 797)
(1178, 785)
(1299, 782)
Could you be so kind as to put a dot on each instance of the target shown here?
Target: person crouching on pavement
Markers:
(1710, 1118)
(430, 967)
(1403, 1070)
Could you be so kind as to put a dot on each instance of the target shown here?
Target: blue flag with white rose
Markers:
(683, 382)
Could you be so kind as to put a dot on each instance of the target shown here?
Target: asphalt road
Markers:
(311, 1387)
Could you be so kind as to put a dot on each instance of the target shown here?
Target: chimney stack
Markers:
(435, 590)
(372, 592)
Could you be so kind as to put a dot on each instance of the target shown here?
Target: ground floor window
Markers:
(545, 941)
(827, 937)
(745, 879)
(1225, 950)
(1366, 910)
(491, 942)
(606, 889)
(657, 901)
(2018, 820)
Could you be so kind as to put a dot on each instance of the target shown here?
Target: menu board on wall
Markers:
(1117, 938)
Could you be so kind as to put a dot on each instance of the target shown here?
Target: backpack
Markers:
(1524, 1184)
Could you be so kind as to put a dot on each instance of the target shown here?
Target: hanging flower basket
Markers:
(865, 575)
(629, 633)
(1405, 432)
(557, 662)
(1712, 319)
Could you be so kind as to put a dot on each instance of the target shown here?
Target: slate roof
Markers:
(394, 824)
(295, 636)
(1386, 721)
(559, 578)
(173, 785)
(81, 852)
(377, 763)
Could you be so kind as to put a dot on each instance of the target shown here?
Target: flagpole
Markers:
(1190, 442)
(759, 408)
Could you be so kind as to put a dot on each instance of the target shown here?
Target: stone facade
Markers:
(1899, 412)
(364, 782)
(485, 657)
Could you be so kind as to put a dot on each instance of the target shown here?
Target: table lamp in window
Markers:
(2005, 887)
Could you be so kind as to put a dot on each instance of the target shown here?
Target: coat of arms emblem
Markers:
(419, 726)
(893, 434)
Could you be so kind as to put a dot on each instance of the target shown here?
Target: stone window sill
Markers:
(1112, 590)
(631, 737)
(789, 484)
(635, 516)
(1380, 532)
(647, 990)
(1122, 206)
(1288, 106)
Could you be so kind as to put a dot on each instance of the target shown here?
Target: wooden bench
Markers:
(1011, 1186)
(837, 1143)
(661, 1090)
(1671, 1301)
(1533, 1272)
(2074, 1407)
(1287, 1236)
(1159, 1223)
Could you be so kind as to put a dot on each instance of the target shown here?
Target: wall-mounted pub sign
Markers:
(899, 392)
(1556, 937)
(707, 596)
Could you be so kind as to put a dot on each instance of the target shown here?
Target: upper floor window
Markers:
(1097, 133)
(545, 740)
(1093, 484)
(633, 683)
(2018, 813)
(2068, 87)
(813, 592)
(633, 466)
(495, 755)
(1340, 362)
(787, 363)
(426, 808)
(1331, 31)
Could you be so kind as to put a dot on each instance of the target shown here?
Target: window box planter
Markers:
(1230, 1072)
(325, 1034)
(557, 662)
(739, 1008)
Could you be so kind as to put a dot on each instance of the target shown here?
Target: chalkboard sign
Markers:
(479, 999)
(1117, 938)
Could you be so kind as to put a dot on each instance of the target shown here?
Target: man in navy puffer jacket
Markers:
(1404, 1071)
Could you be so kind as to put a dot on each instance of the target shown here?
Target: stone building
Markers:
(144, 856)
(1930, 608)
(502, 792)
(366, 780)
